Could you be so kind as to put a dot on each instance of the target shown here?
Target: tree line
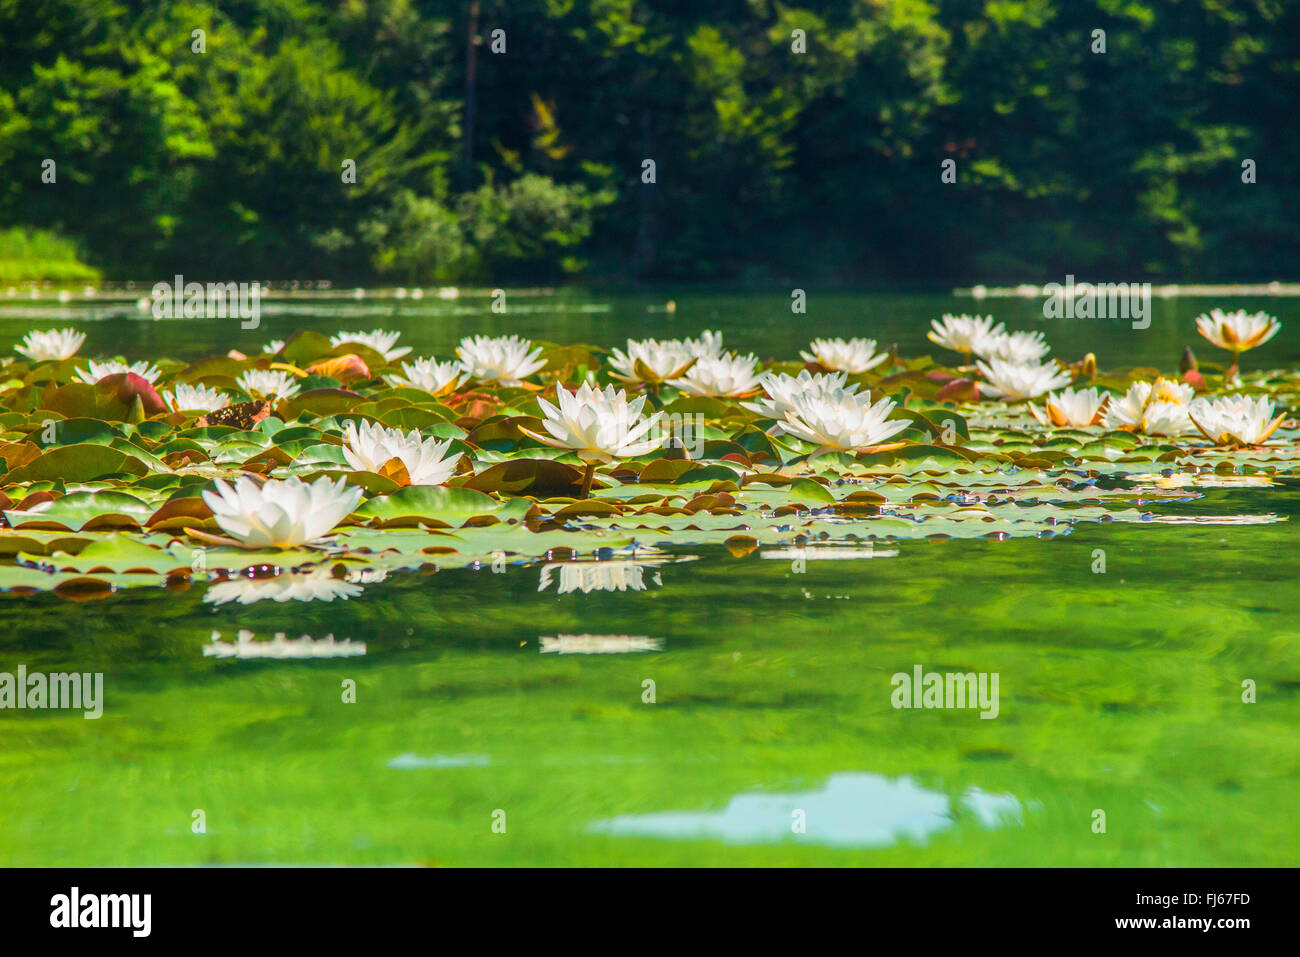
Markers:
(883, 141)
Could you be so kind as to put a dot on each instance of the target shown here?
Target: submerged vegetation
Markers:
(319, 461)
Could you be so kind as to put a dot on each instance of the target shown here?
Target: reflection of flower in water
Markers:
(367, 576)
(1201, 480)
(281, 647)
(587, 577)
(828, 553)
(597, 644)
(1266, 519)
(316, 585)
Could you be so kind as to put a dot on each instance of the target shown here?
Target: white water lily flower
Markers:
(428, 375)
(1012, 346)
(781, 390)
(659, 361)
(842, 421)
(99, 370)
(505, 360)
(53, 345)
(1167, 390)
(587, 577)
(1152, 409)
(1237, 331)
(838, 355)
(600, 426)
(380, 340)
(728, 375)
(1073, 408)
(268, 384)
(1165, 418)
(367, 449)
(708, 344)
(316, 585)
(273, 347)
(188, 398)
(1021, 380)
(280, 513)
(1235, 420)
(963, 333)
(1126, 411)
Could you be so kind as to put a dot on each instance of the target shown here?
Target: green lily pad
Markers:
(531, 476)
(78, 463)
(447, 506)
(321, 402)
(76, 510)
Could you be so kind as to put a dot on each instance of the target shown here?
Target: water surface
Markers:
(497, 721)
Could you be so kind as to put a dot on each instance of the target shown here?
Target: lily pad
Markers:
(81, 462)
(429, 503)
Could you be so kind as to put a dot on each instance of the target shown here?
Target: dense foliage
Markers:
(769, 163)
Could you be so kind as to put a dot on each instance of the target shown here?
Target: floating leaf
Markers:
(345, 368)
(436, 503)
(320, 402)
(82, 462)
(539, 477)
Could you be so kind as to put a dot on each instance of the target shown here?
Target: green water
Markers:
(759, 322)
(1119, 691)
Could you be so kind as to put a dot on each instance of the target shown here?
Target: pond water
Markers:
(706, 707)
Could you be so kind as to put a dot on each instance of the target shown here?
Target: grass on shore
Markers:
(37, 254)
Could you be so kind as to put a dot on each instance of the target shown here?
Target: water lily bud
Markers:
(126, 387)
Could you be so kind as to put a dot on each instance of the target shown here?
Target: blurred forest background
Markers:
(770, 164)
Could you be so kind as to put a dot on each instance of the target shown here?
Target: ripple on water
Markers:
(410, 762)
